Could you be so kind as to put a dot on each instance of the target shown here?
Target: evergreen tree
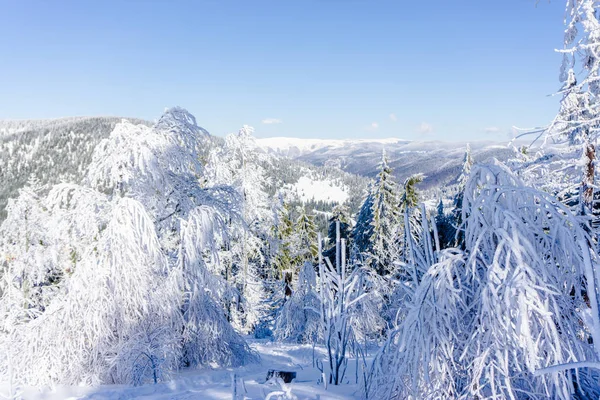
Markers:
(457, 214)
(283, 229)
(363, 230)
(298, 320)
(576, 122)
(305, 233)
(385, 218)
(445, 228)
(409, 201)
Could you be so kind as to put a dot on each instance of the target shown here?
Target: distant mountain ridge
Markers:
(294, 147)
(440, 161)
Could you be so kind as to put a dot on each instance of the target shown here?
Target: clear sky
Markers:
(437, 69)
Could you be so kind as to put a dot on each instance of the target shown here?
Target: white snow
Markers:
(307, 189)
(217, 384)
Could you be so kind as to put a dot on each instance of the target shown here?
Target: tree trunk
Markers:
(587, 184)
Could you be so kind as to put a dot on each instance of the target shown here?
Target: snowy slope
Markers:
(326, 190)
(217, 384)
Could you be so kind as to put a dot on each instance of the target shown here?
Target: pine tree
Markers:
(445, 228)
(282, 233)
(305, 233)
(577, 120)
(409, 201)
(457, 214)
(385, 218)
(298, 320)
(363, 230)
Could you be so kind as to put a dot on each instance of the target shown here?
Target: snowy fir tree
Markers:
(283, 229)
(385, 218)
(305, 239)
(445, 226)
(458, 199)
(577, 119)
(298, 321)
(363, 229)
(411, 233)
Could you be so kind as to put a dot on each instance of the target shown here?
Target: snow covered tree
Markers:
(363, 230)
(482, 323)
(298, 320)
(420, 355)
(414, 247)
(577, 119)
(385, 218)
(409, 200)
(445, 227)
(458, 199)
(239, 163)
(466, 167)
(122, 262)
(305, 238)
(89, 292)
(208, 338)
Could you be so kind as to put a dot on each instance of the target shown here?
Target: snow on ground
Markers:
(307, 189)
(217, 384)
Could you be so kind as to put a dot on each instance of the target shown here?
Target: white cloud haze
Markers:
(373, 126)
(270, 121)
(425, 128)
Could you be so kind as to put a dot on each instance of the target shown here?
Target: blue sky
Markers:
(431, 70)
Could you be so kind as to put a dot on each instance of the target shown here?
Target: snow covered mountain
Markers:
(295, 147)
(439, 161)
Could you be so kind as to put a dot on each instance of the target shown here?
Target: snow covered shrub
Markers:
(528, 259)
(99, 304)
(422, 351)
(298, 319)
(346, 304)
(484, 321)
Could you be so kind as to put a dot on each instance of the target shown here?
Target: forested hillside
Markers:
(52, 151)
